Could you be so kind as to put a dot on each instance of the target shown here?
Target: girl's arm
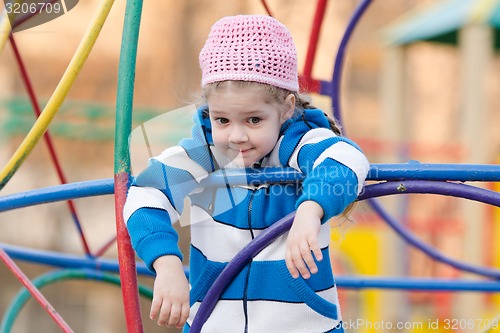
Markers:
(156, 198)
(170, 293)
(335, 170)
(302, 240)
(154, 202)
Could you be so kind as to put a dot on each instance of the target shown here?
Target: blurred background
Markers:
(412, 89)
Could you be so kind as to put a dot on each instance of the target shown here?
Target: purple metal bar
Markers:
(339, 59)
(431, 187)
(235, 266)
(371, 191)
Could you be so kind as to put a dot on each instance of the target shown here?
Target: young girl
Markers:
(253, 117)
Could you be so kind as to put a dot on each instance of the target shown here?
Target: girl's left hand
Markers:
(302, 240)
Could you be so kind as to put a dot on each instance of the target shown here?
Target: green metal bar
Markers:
(124, 104)
(24, 295)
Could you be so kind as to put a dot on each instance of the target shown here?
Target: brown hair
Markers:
(277, 95)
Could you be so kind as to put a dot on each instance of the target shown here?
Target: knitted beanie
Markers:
(250, 48)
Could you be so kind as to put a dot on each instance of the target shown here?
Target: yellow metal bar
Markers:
(482, 10)
(5, 25)
(59, 94)
(4, 29)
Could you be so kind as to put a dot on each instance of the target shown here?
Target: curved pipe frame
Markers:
(400, 179)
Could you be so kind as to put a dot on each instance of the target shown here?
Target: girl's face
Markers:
(246, 121)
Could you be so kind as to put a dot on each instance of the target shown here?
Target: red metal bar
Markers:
(307, 80)
(34, 292)
(123, 128)
(266, 7)
(47, 138)
(308, 84)
(105, 247)
(128, 272)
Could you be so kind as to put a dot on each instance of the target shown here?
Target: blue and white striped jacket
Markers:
(263, 297)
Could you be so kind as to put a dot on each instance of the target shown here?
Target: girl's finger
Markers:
(175, 314)
(155, 308)
(298, 262)
(184, 316)
(309, 260)
(290, 265)
(314, 247)
(164, 314)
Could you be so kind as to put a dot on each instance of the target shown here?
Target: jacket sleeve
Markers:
(155, 199)
(335, 167)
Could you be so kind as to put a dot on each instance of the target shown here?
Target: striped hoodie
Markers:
(263, 297)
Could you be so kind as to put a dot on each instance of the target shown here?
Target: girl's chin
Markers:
(242, 163)
(242, 160)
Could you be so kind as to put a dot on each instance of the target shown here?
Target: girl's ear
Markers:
(288, 107)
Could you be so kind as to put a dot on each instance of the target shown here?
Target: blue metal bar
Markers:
(63, 260)
(430, 171)
(406, 283)
(378, 172)
(350, 282)
(57, 193)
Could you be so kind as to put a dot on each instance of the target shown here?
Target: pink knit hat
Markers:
(250, 48)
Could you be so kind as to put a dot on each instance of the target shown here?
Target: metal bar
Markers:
(378, 172)
(49, 278)
(339, 59)
(407, 283)
(457, 190)
(59, 94)
(124, 105)
(48, 140)
(18, 273)
(64, 260)
(235, 266)
(57, 193)
(266, 7)
(314, 38)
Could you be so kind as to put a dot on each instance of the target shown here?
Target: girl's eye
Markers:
(254, 120)
(222, 121)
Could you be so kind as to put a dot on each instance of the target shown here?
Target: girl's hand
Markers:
(302, 240)
(170, 293)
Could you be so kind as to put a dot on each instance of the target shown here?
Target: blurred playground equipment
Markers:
(362, 249)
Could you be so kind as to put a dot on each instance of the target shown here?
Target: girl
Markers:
(253, 117)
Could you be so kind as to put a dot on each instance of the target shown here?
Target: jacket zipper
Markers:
(245, 291)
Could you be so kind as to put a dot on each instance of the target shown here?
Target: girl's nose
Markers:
(238, 135)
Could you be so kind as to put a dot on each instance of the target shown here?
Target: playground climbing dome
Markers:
(384, 180)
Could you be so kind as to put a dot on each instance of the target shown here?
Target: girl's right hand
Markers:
(170, 293)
